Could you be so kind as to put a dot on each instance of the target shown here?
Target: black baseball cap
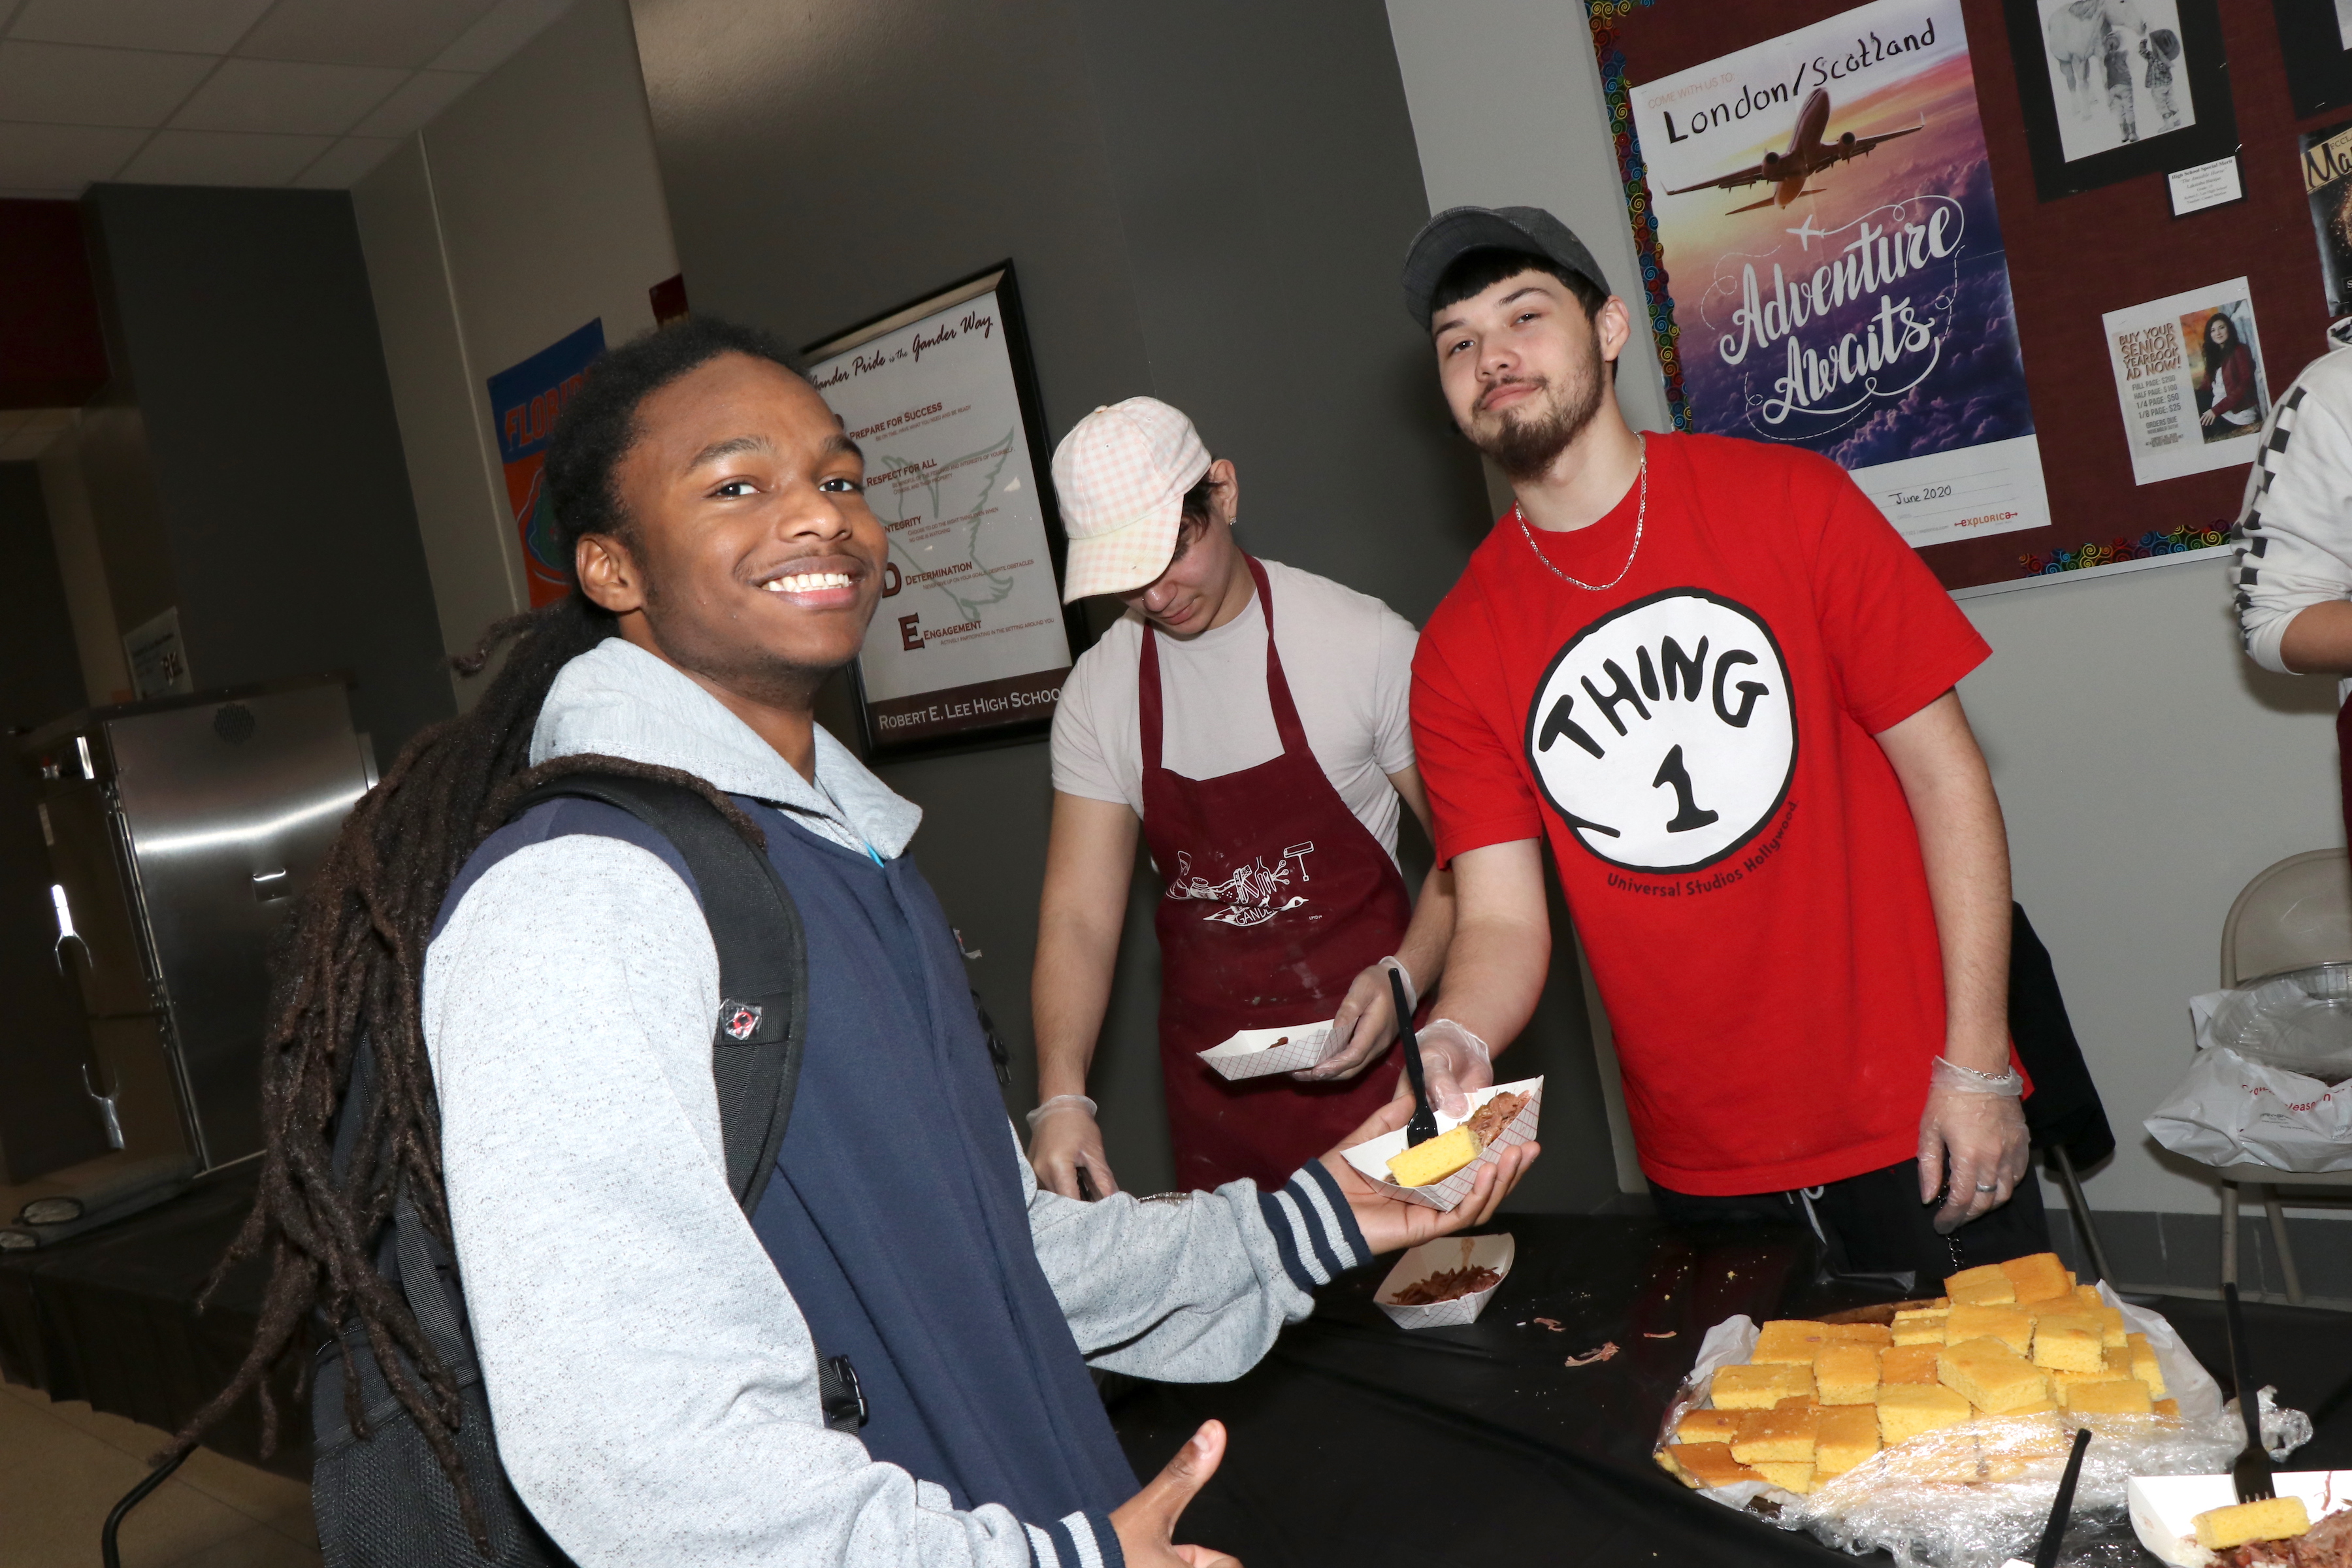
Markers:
(1457, 231)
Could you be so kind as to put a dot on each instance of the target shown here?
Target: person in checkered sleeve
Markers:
(1250, 722)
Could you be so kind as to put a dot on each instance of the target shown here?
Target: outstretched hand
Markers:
(1146, 1522)
(1391, 1224)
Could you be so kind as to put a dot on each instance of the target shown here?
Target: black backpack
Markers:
(381, 1499)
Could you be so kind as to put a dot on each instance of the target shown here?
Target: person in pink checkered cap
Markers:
(1252, 721)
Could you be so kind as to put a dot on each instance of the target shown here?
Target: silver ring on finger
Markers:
(1988, 1186)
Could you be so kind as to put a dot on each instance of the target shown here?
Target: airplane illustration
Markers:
(1807, 155)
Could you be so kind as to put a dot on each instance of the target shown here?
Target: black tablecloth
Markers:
(110, 1317)
(1354, 1443)
(1358, 1443)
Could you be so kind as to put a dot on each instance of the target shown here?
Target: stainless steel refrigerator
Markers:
(181, 832)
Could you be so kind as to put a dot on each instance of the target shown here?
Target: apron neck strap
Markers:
(1277, 687)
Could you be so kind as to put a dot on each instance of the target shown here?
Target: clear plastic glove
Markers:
(1065, 1141)
(1453, 1061)
(1972, 1143)
(1364, 1027)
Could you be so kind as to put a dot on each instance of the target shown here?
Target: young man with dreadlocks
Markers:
(539, 998)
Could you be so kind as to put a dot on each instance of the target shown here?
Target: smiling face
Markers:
(1523, 368)
(749, 559)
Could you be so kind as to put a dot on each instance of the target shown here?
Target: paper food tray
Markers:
(1418, 1263)
(1372, 1157)
(1254, 1053)
(2163, 1509)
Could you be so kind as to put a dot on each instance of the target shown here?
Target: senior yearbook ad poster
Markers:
(1825, 209)
(2189, 373)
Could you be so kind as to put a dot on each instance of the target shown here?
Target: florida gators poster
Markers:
(1825, 214)
(524, 401)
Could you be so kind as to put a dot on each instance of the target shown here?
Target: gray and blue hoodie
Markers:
(649, 1350)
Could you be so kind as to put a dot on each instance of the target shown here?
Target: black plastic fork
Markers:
(2250, 1472)
(1424, 1125)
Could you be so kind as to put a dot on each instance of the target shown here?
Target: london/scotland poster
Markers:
(1826, 214)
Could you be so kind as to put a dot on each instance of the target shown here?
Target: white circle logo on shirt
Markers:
(1663, 732)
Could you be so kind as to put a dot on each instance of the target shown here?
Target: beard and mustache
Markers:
(1525, 441)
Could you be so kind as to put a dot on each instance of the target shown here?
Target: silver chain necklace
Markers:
(1641, 516)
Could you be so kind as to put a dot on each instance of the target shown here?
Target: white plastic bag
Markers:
(2230, 1110)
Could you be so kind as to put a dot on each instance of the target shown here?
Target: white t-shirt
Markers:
(1347, 657)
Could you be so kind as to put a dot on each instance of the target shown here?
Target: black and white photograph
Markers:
(2113, 90)
(2117, 66)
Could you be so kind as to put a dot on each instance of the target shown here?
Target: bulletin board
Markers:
(2071, 260)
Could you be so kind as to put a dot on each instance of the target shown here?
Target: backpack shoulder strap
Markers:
(755, 1058)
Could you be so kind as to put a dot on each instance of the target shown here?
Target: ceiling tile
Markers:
(408, 34)
(342, 166)
(416, 102)
(64, 84)
(506, 29)
(222, 158)
(200, 26)
(285, 97)
(62, 159)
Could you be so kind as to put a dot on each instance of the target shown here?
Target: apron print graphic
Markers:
(1248, 897)
(1664, 732)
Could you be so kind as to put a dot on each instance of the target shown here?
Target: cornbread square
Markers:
(2073, 1283)
(1784, 1436)
(1709, 1465)
(1876, 1335)
(1435, 1160)
(1846, 1374)
(2128, 1397)
(2042, 1407)
(2111, 1326)
(1985, 1287)
(2089, 1296)
(1992, 1376)
(2144, 1363)
(1843, 1439)
(2167, 1408)
(1907, 1409)
(2010, 1325)
(1712, 1426)
(1789, 1477)
(2274, 1519)
(1798, 1402)
(1909, 1364)
(1919, 1328)
(2038, 1278)
(2068, 1342)
(1789, 1342)
(1759, 1387)
(2062, 1380)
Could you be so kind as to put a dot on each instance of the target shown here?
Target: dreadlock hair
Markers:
(351, 974)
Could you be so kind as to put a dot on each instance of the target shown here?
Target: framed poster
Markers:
(2112, 90)
(1840, 279)
(2316, 40)
(972, 641)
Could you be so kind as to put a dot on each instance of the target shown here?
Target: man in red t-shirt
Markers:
(1721, 685)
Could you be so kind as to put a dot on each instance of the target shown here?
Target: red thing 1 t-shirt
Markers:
(1736, 851)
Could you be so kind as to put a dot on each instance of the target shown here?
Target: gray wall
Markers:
(1207, 202)
(245, 321)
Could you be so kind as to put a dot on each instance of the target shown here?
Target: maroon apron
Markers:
(2344, 759)
(1276, 897)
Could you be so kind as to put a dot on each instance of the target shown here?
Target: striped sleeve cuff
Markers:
(1313, 1229)
(1083, 1540)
